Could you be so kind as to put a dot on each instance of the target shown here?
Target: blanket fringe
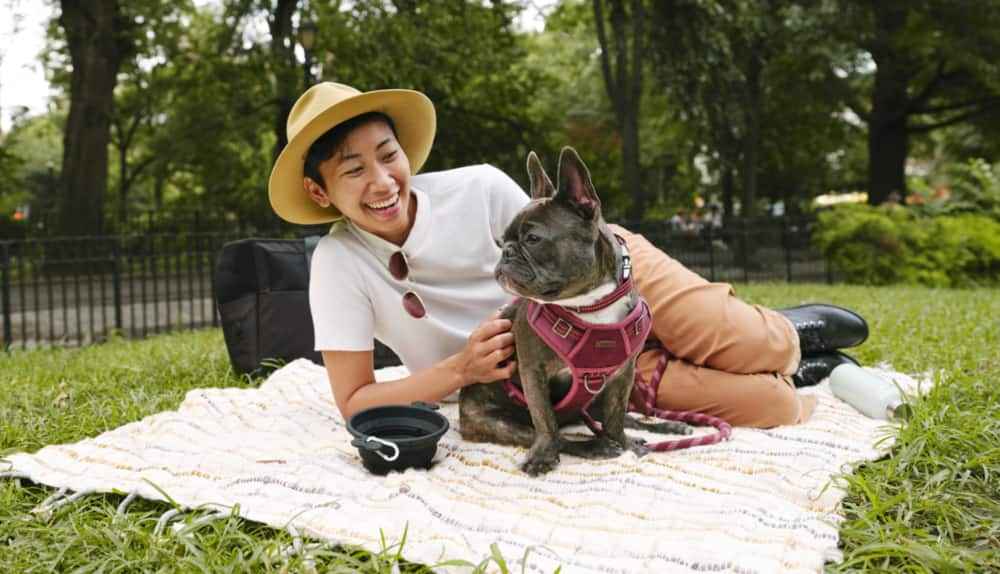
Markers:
(125, 503)
(44, 510)
(297, 548)
(162, 522)
(296, 538)
(15, 475)
(180, 527)
(72, 498)
(44, 506)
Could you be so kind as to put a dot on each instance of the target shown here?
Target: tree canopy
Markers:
(177, 108)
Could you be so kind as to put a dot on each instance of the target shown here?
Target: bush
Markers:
(885, 245)
(970, 187)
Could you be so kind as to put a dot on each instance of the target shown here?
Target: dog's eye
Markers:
(532, 238)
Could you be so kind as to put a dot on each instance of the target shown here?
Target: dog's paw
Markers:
(662, 427)
(682, 428)
(593, 449)
(638, 446)
(607, 448)
(538, 465)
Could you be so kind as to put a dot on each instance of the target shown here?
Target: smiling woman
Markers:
(391, 267)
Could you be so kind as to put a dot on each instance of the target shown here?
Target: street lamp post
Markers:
(307, 38)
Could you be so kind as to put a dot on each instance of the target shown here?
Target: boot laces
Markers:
(812, 370)
(809, 333)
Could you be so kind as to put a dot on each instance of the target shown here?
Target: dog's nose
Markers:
(509, 250)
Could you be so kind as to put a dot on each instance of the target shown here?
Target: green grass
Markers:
(932, 505)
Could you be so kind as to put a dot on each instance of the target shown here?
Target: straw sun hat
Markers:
(322, 107)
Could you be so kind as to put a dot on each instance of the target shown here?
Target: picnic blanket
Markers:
(763, 501)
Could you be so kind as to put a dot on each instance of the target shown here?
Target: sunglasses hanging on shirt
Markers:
(400, 271)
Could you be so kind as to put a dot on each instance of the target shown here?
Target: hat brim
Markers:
(413, 115)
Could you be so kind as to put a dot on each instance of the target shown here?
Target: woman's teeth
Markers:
(385, 203)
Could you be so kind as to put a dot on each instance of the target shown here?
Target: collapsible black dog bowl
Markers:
(395, 437)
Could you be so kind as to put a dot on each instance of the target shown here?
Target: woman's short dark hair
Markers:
(327, 144)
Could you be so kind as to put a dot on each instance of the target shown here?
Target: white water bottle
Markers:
(871, 395)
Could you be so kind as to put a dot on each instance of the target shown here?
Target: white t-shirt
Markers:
(451, 250)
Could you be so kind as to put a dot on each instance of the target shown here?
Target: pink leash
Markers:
(643, 401)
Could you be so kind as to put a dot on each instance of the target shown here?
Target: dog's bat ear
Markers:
(541, 185)
(575, 186)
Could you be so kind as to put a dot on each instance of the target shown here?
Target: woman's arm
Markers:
(353, 379)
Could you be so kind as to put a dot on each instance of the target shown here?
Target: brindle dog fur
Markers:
(556, 248)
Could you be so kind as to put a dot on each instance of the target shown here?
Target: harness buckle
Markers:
(586, 383)
(637, 326)
(566, 332)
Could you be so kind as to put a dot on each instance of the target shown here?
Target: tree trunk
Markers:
(632, 167)
(887, 150)
(728, 191)
(128, 172)
(123, 183)
(159, 182)
(623, 82)
(286, 86)
(96, 53)
(887, 135)
(753, 110)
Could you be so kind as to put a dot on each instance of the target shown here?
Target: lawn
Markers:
(932, 505)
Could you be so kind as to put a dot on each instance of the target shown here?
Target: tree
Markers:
(97, 39)
(713, 57)
(623, 79)
(283, 69)
(573, 106)
(694, 53)
(467, 58)
(934, 67)
(142, 95)
(748, 78)
(212, 128)
(29, 166)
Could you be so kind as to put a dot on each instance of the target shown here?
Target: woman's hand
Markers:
(487, 346)
(353, 380)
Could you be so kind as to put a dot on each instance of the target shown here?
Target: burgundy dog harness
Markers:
(594, 352)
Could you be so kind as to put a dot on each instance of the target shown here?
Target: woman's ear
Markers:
(316, 192)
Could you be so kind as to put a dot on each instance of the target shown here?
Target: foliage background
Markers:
(759, 107)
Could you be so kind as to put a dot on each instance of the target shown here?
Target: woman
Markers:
(410, 262)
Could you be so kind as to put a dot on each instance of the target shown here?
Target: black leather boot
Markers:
(815, 368)
(823, 328)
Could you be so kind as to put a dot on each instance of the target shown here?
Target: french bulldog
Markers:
(557, 250)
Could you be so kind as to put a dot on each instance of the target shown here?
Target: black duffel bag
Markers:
(261, 288)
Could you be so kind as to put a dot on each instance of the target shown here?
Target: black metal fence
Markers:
(744, 251)
(72, 291)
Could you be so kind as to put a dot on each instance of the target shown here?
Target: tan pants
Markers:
(727, 358)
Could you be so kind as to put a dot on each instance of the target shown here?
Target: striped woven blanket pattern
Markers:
(763, 501)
